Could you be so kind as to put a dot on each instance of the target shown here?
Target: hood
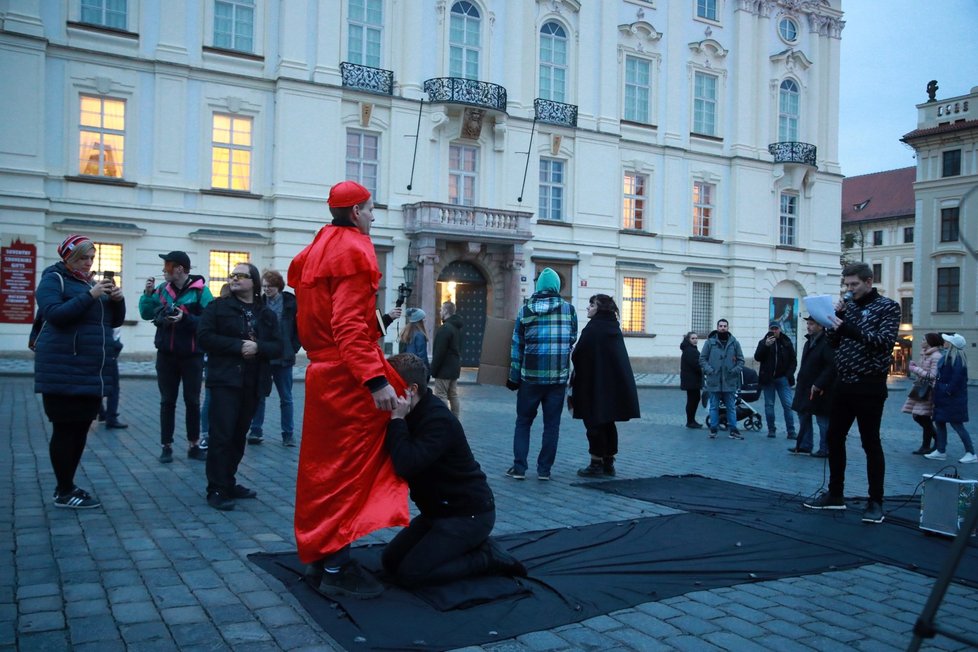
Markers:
(456, 321)
(686, 344)
(543, 303)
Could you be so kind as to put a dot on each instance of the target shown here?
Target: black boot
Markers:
(593, 470)
(608, 465)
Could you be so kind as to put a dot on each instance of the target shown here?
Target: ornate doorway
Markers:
(463, 284)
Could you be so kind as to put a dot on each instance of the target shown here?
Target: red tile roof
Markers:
(890, 194)
(941, 129)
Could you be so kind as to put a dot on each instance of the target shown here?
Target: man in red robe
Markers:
(346, 486)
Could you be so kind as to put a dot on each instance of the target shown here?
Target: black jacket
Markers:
(690, 371)
(446, 357)
(603, 385)
(777, 361)
(818, 369)
(864, 342)
(221, 329)
(290, 330)
(430, 451)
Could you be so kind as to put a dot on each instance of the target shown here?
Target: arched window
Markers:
(788, 103)
(464, 41)
(553, 62)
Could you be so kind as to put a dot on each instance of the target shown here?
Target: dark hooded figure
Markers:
(241, 337)
(603, 385)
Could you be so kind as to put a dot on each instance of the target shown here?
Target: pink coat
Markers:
(927, 368)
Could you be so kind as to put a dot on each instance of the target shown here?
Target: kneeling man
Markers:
(449, 539)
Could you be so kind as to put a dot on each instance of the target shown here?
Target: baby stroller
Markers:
(750, 391)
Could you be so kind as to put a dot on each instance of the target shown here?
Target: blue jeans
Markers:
(529, 397)
(786, 395)
(941, 439)
(730, 402)
(282, 377)
(806, 434)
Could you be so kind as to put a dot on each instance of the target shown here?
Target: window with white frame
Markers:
(704, 196)
(365, 28)
(234, 25)
(231, 152)
(362, 159)
(462, 174)
(107, 13)
(706, 9)
(464, 41)
(638, 89)
(701, 301)
(108, 258)
(102, 136)
(948, 289)
(553, 62)
(788, 107)
(788, 231)
(635, 190)
(788, 30)
(220, 264)
(551, 189)
(704, 104)
(634, 297)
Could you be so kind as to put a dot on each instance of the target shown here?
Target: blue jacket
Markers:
(74, 345)
(418, 345)
(951, 391)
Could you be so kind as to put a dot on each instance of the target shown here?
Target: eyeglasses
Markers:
(239, 277)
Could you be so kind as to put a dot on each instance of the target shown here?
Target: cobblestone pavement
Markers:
(156, 568)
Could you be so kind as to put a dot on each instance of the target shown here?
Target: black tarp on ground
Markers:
(575, 573)
(898, 541)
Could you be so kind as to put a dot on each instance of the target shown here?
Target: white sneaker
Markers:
(969, 458)
(936, 455)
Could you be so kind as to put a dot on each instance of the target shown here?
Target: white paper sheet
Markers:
(821, 307)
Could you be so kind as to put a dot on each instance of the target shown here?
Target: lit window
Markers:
(633, 305)
(633, 208)
(462, 171)
(362, 164)
(706, 9)
(220, 265)
(788, 29)
(788, 107)
(234, 24)
(948, 289)
(553, 62)
(788, 232)
(365, 28)
(551, 189)
(102, 136)
(108, 258)
(464, 41)
(107, 13)
(638, 89)
(705, 104)
(949, 224)
(231, 153)
(703, 197)
(702, 300)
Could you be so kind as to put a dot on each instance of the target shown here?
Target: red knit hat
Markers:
(68, 245)
(347, 193)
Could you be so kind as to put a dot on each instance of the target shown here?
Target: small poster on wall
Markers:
(785, 312)
(18, 265)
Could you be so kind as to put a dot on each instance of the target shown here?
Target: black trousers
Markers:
(439, 550)
(864, 405)
(231, 410)
(171, 370)
(692, 401)
(602, 439)
(71, 417)
(929, 434)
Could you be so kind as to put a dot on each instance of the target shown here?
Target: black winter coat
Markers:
(446, 357)
(818, 369)
(776, 361)
(290, 330)
(222, 327)
(603, 385)
(690, 371)
(429, 450)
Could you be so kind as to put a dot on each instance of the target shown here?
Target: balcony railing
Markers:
(366, 78)
(456, 90)
(555, 113)
(792, 152)
(466, 222)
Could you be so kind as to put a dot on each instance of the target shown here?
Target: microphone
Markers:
(847, 296)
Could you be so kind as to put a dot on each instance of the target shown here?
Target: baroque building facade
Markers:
(679, 155)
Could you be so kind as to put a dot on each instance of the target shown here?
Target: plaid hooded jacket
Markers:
(545, 330)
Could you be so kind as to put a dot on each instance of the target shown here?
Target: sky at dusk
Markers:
(890, 50)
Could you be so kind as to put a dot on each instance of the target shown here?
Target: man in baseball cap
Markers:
(178, 258)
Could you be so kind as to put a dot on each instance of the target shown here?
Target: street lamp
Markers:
(404, 289)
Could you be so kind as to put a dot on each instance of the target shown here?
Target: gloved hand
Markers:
(510, 385)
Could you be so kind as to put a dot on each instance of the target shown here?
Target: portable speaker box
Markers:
(944, 503)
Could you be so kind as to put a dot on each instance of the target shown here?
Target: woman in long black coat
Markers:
(691, 377)
(603, 385)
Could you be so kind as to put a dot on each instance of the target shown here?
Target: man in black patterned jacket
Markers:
(865, 329)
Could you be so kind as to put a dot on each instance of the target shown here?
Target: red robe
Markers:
(346, 487)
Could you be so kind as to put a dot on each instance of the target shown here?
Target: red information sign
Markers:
(18, 269)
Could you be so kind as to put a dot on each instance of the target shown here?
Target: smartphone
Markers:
(108, 276)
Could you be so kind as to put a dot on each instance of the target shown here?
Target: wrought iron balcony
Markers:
(466, 223)
(555, 113)
(456, 90)
(792, 152)
(366, 78)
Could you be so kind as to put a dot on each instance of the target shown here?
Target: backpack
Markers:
(38, 325)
